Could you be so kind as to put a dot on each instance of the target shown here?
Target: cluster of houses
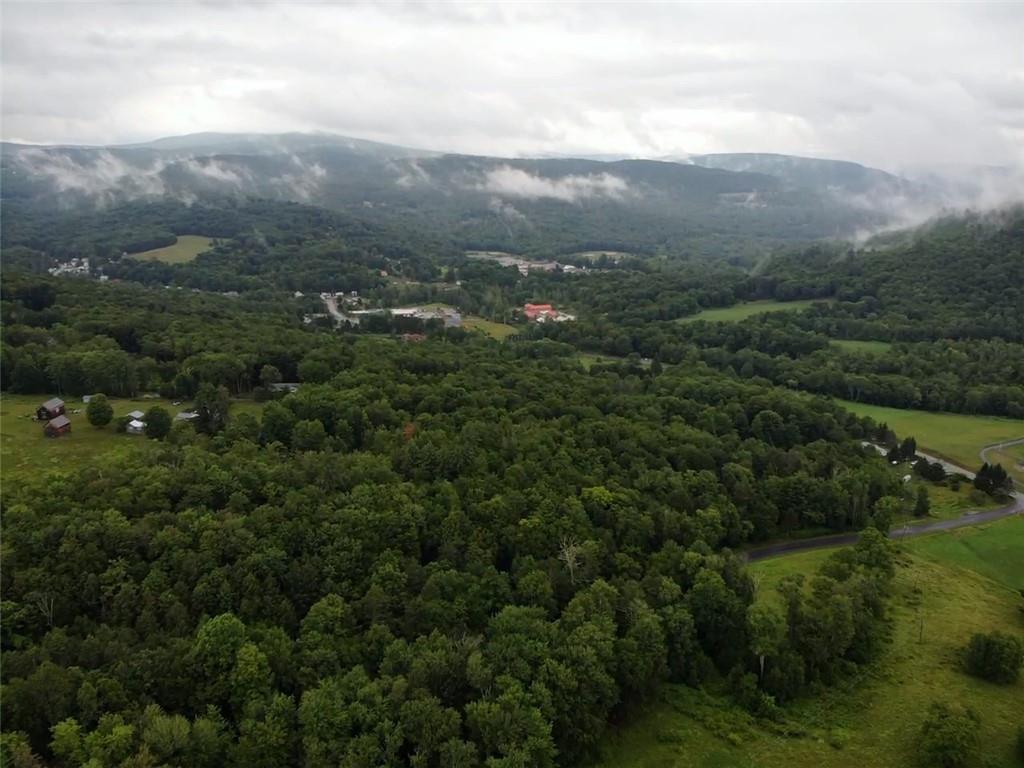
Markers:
(545, 313)
(525, 266)
(76, 267)
(54, 413)
(450, 317)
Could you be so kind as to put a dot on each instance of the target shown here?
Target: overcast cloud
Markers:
(887, 85)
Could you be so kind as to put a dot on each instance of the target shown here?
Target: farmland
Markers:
(739, 312)
(24, 448)
(185, 249)
(955, 436)
(947, 587)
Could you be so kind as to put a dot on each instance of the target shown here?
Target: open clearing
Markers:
(862, 347)
(24, 448)
(185, 249)
(749, 309)
(995, 550)
(492, 328)
(947, 587)
(955, 436)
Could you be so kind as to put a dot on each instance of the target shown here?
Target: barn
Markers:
(51, 409)
(57, 427)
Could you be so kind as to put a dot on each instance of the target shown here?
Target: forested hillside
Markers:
(539, 206)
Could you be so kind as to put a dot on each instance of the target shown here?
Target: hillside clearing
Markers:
(24, 448)
(739, 312)
(184, 250)
(862, 347)
(874, 719)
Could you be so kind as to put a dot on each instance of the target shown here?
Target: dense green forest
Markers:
(446, 550)
(448, 553)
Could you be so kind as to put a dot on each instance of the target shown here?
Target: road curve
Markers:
(1015, 507)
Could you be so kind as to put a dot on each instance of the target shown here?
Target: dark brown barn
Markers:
(57, 427)
(51, 409)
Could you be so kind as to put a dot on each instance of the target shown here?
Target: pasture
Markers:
(184, 250)
(25, 449)
(738, 312)
(942, 595)
(958, 437)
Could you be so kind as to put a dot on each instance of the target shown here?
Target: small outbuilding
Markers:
(135, 427)
(136, 415)
(51, 409)
(57, 427)
(186, 416)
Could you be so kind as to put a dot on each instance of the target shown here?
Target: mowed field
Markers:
(955, 436)
(494, 330)
(947, 587)
(185, 249)
(862, 347)
(24, 448)
(749, 309)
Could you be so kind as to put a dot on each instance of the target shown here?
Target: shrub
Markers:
(995, 656)
(949, 736)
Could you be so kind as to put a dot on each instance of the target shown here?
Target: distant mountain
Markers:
(806, 172)
(272, 143)
(711, 204)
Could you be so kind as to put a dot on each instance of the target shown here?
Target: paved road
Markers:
(998, 446)
(1015, 507)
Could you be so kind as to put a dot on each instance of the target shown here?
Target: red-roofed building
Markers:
(535, 311)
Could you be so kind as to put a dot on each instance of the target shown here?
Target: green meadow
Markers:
(748, 309)
(862, 347)
(956, 436)
(948, 586)
(24, 448)
(185, 249)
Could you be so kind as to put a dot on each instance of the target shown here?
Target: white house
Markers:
(136, 415)
(135, 427)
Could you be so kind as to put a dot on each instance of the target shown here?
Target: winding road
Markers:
(971, 517)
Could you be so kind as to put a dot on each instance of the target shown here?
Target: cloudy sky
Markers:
(888, 85)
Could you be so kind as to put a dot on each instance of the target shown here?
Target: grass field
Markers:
(743, 311)
(947, 587)
(24, 448)
(495, 330)
(862, 347)
(996, 550)
(955, 436)
(185, 249)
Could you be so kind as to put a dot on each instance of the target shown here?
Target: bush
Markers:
(995, 656)
(99, 411)
(949, 736)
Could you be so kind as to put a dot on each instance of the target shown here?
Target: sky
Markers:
(890, 85)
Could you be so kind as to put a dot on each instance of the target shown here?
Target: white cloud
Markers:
(515, 182)
(885, 84)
